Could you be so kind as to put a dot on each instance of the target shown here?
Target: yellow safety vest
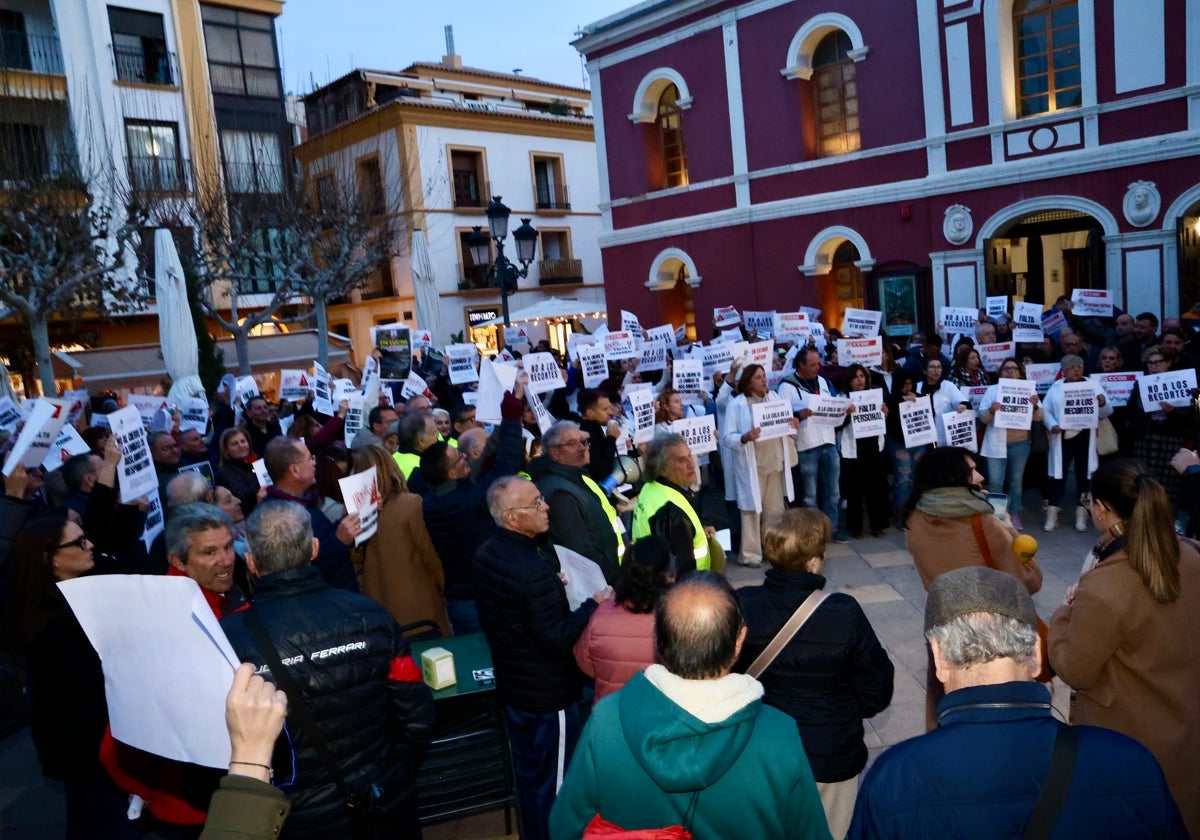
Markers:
(651, 499)
(611, 512)
(407, 462)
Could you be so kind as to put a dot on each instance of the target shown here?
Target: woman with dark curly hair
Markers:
(619, 639)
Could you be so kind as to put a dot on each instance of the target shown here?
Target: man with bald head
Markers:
(472, 443)
(689, 742)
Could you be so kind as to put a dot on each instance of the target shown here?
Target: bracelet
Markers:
(267, 767)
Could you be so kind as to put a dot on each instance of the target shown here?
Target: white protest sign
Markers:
(664, 333)
(827, 411)
(516, 335)
(654, 357)
(147, 406)
(194, 415)
(344, 389)
(136, 474)
(868, 419)
(584, 576)
(726, 316)
(867, 352)
(67, 445)
(37, 436)
(76, 401)
(620, 345)
(1080, 409)
(1118, 387)
(861, 323)
(758, 353)
(630, 323)
(1042, 375)
(1016, 412)
(774, 417)
(494, 380)
(718, 358)
(997, 305)
(960, 429)
(958, 319)
(155, 520)
(761, 324)
(1088, 303)
(816, 331)
(415, 386)
(1173, 388)
(577, 340)
(322, 395)
(791, 326)
(461, 358)
(1027, 335)
(421, 339)
(699, 432)
(540, 413)
(641, 404)
(371, 382)
(595, 369)
(361, 493)
(10, 413)
(994, 354)
(687, 376)
(544, 373)
(916, 421)
(1027, 314)
(355, 418)
(293, 385)
(260, 472)
(1053, 322)
(975, 394)
(247, 387)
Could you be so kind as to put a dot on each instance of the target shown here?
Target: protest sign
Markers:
(394, 342)
(370, 382)
(827, 412)
(718, 358)
(10, 413)
(260, 472)
(699, 432)
(1053, 322)
(76, 402)
(816, 331)
(1016, 412)
(293, 385)
(1173, 388)
(204, 468)
(355, 418)
(1042, 375)
(361, 494)
(136, 472)
(540, 413)
(46, 418)
(247, 387)
(1027, 335)
(641, 404)
(997, 305)
(916, 421)
(994, 354)
(687, 375)
(1118, 387)
(595, 369)
(544, 373)
(66, 445)
(422, 339)
(665, 334)
(654, 357)
(1027, 314)
(461, 358)
(494, 380)
(773, 417)
(868, 419)
(960, 429)
(578, 340)
(415, 386)
(630, 324)
(1080, 409)
(148, 405)
(867, 352)
(958, 319)
(757, 353)
(155, 522)
(516, 335)
(194, 415)
(322, 396)
(974, 393)
(861, 323)
(1089, 303)
(761, 324)
(343, 389)
(791, 326)
(726, 316)
(620, 345)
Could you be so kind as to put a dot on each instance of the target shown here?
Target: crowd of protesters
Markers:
(470, 515)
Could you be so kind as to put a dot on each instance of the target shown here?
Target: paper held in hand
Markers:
(827, 411)
(1174, 388)
(1015, 412)
(773, 418)
(960, 429)
(867, 419)
(1080, 409)
(361, 494)
(699, 432)
(916, 421)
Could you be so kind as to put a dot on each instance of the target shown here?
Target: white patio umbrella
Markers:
(552, 308)
(179, 352)
(424, 284)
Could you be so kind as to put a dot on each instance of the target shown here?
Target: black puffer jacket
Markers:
(360, 684)
(529, 626)
(831, 675)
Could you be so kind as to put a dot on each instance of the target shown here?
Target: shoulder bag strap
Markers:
(984, 548)
(296, 705)
(1055, 786)
(787, 632)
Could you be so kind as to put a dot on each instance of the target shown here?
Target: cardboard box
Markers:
(437, 668)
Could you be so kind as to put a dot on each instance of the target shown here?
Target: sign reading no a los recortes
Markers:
(1174, 388)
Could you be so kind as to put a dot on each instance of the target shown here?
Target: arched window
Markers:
(670, 134)
(1046, 48)
(836, 95)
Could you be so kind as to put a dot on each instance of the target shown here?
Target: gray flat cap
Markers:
(973, 589)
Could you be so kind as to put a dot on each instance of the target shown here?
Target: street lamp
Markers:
(503, 273)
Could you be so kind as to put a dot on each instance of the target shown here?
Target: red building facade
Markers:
(771, 154)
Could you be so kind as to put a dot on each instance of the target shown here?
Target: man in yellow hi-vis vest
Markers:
(666, 507)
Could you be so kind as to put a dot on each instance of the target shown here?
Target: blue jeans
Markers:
(534, 739)
(820, 468)
(904, 460)
(1005, 475)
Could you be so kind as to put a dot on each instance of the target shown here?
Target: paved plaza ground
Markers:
(878, 572)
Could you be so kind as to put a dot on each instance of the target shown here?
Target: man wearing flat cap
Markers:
(999, 764)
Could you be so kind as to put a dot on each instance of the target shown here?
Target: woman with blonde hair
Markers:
(236, 469)
(400, 568)
(1127, 637)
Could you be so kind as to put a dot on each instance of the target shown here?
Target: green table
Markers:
(471, 653)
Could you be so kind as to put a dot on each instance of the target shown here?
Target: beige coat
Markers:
(401, 569)
(1135, 665)
(940, 544)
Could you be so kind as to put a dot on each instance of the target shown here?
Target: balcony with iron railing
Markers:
(558, 272)
(255, 178)
(152, 174)
(470, 193)
(31, 53)
(145, 66)
(552, 197)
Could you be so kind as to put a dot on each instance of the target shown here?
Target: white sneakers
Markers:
(1051, 518)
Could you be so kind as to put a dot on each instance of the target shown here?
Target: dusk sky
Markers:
(321, 40)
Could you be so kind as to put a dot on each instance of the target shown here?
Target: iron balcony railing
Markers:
(145, 65)
(553, 197)
(554, 272)
(34, 53)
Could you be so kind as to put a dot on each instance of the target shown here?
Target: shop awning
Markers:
(551, 309)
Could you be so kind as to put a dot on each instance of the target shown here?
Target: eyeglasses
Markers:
(1150, 362)
(75, 543)
(538, 504)
(582, 443)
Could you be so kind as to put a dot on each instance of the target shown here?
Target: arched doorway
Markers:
(1187, 230)
(1041, 255)
(843, 286)
(673, 276)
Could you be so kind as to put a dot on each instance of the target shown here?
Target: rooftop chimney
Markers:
(450, 59)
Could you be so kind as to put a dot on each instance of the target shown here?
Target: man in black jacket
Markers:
(359, 683)
(531, 630)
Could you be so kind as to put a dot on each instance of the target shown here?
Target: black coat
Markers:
(577, 519)
(369, 702)
(530, 627)
(831, 676)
